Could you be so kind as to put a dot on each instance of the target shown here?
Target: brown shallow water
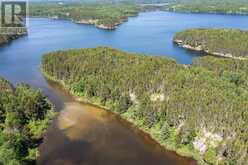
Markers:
(84, 134)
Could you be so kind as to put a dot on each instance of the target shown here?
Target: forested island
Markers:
(24, 115)
(189, 109)
(210, 6)
(102, 16)
(220, 42)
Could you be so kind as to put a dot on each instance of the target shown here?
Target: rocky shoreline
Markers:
(91, 22)
(200, 48)
(96, 23)
(7, 38)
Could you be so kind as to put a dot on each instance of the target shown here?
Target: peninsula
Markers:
(189, 109)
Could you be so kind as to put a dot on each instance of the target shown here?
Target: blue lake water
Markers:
(149, 33)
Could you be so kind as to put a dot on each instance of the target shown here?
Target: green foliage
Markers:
(221, 41)
(165, 131)
(186, 136)
(210, 156)
(234, 71)
(189, 98)
(24, 115)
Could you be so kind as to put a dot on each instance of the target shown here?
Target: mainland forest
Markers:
(210, 6)
(190, 109)
(192, 6)
(24, 115)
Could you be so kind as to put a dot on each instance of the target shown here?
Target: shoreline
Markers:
(8, 38)
(92, 21)
(95, 23)
(181, 44)
(166, 146)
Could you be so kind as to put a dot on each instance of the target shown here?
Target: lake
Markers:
(84, 134)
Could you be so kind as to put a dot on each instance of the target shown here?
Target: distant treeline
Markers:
(211, 6)
(100, 1)
(198, 110)
(226, 42)
(24, 115)
(194, 6)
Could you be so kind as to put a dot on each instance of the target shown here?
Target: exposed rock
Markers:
(87, 21)
(95, 22)
(205, 140)
(133, 97)
(201, 49)
(157, 97)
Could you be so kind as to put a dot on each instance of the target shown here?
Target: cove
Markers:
(84, 134)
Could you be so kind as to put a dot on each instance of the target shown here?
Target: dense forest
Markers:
(221, 42)
(24, 115)
(211, 6)
(102, 16)
(190, 109)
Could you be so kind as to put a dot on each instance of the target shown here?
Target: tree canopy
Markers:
(192, 108)
(24, 115)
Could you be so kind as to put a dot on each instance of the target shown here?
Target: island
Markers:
(229, 43)
(24, 116)
(186, 108)
(102, 16)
